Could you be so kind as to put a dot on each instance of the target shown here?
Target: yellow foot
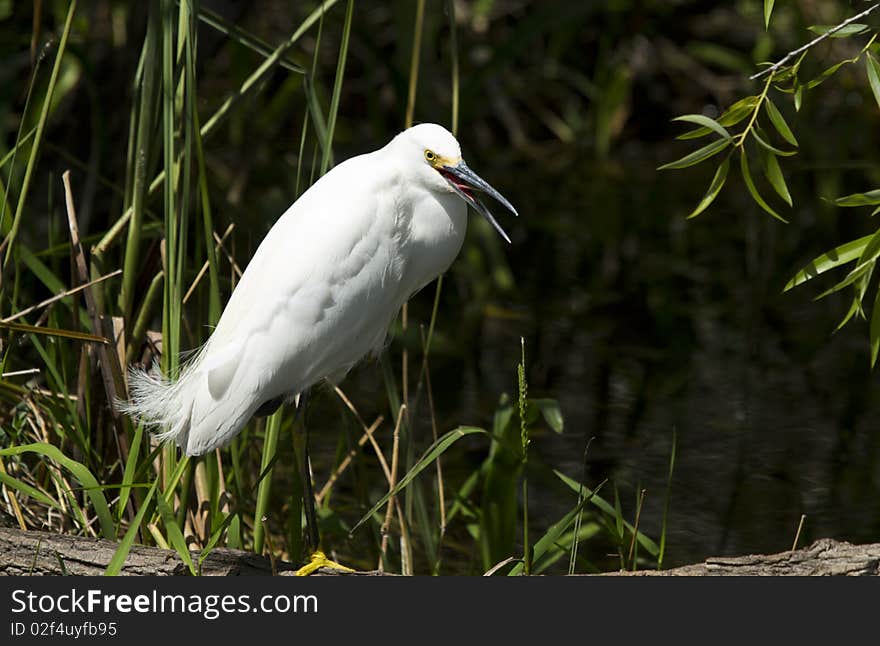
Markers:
(318, 561)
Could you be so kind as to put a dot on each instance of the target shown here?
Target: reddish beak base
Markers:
(461, 186)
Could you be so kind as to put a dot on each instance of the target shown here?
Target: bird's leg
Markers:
(308, 490)
(318, 559)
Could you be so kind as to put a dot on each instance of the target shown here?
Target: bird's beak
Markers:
(463, 181)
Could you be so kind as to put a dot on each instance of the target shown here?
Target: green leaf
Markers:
(870, 253)
(774, 174)
(732, 116)
(762, 139)
(699, 155)
(28, 490)
(432, 453)
(608, 510)
(875, 329)
(550, 538)
(551, 413)
(747, 177)
(216, 535)
(121, 553)
(861, 287)
(779, 123)
(738, 111)
(851, 29)
(82, 475)
(854, 307)
(873, 68)
(855, 275)
(869, 198)
(768, 9)
(175, 536)
(824, 75)
(706, 122)
(798, 97)
(714, 188)
(129, 471)
(865, 264)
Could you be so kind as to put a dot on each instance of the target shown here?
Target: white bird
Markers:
(322, 288)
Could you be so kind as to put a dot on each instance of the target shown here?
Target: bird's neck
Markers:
(436, 226)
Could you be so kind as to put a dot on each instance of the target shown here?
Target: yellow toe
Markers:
(319, 560)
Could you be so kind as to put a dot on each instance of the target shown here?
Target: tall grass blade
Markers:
(121, 553)
(337, 86)
(175, 535)
(38, 136)
(148, 97)
(551, 536)
(662, 552)
(270, 450)
(129, 472)
(607, 509)
(436, 449)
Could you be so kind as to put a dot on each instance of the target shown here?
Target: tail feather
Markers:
(185, 409)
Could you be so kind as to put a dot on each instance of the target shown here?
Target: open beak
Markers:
(464, 181)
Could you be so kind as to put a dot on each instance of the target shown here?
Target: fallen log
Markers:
(825, 557)
(42, 553)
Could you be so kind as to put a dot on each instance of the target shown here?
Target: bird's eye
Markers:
(430, 156)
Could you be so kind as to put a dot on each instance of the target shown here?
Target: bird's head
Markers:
(434, 155)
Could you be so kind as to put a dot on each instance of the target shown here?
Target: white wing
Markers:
(318, 294)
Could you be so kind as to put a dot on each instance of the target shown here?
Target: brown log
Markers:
(825, 557)
(42, 553)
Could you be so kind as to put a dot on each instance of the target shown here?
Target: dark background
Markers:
(640, 323)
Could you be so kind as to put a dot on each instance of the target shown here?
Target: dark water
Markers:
(644, 325)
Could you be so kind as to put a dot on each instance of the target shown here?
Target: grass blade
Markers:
(245, 38)
(51, 331)
(435, 450)
(551, 536)
(27, 490)
(270, 450)
(337, 87)
(83, 476)
(121, 553)
(666, 497)
(148, 97)
(38, 137)
(129, 471)
(607, 509)
(175, 536)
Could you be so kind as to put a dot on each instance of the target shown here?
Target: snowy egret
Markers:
(322, 288)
